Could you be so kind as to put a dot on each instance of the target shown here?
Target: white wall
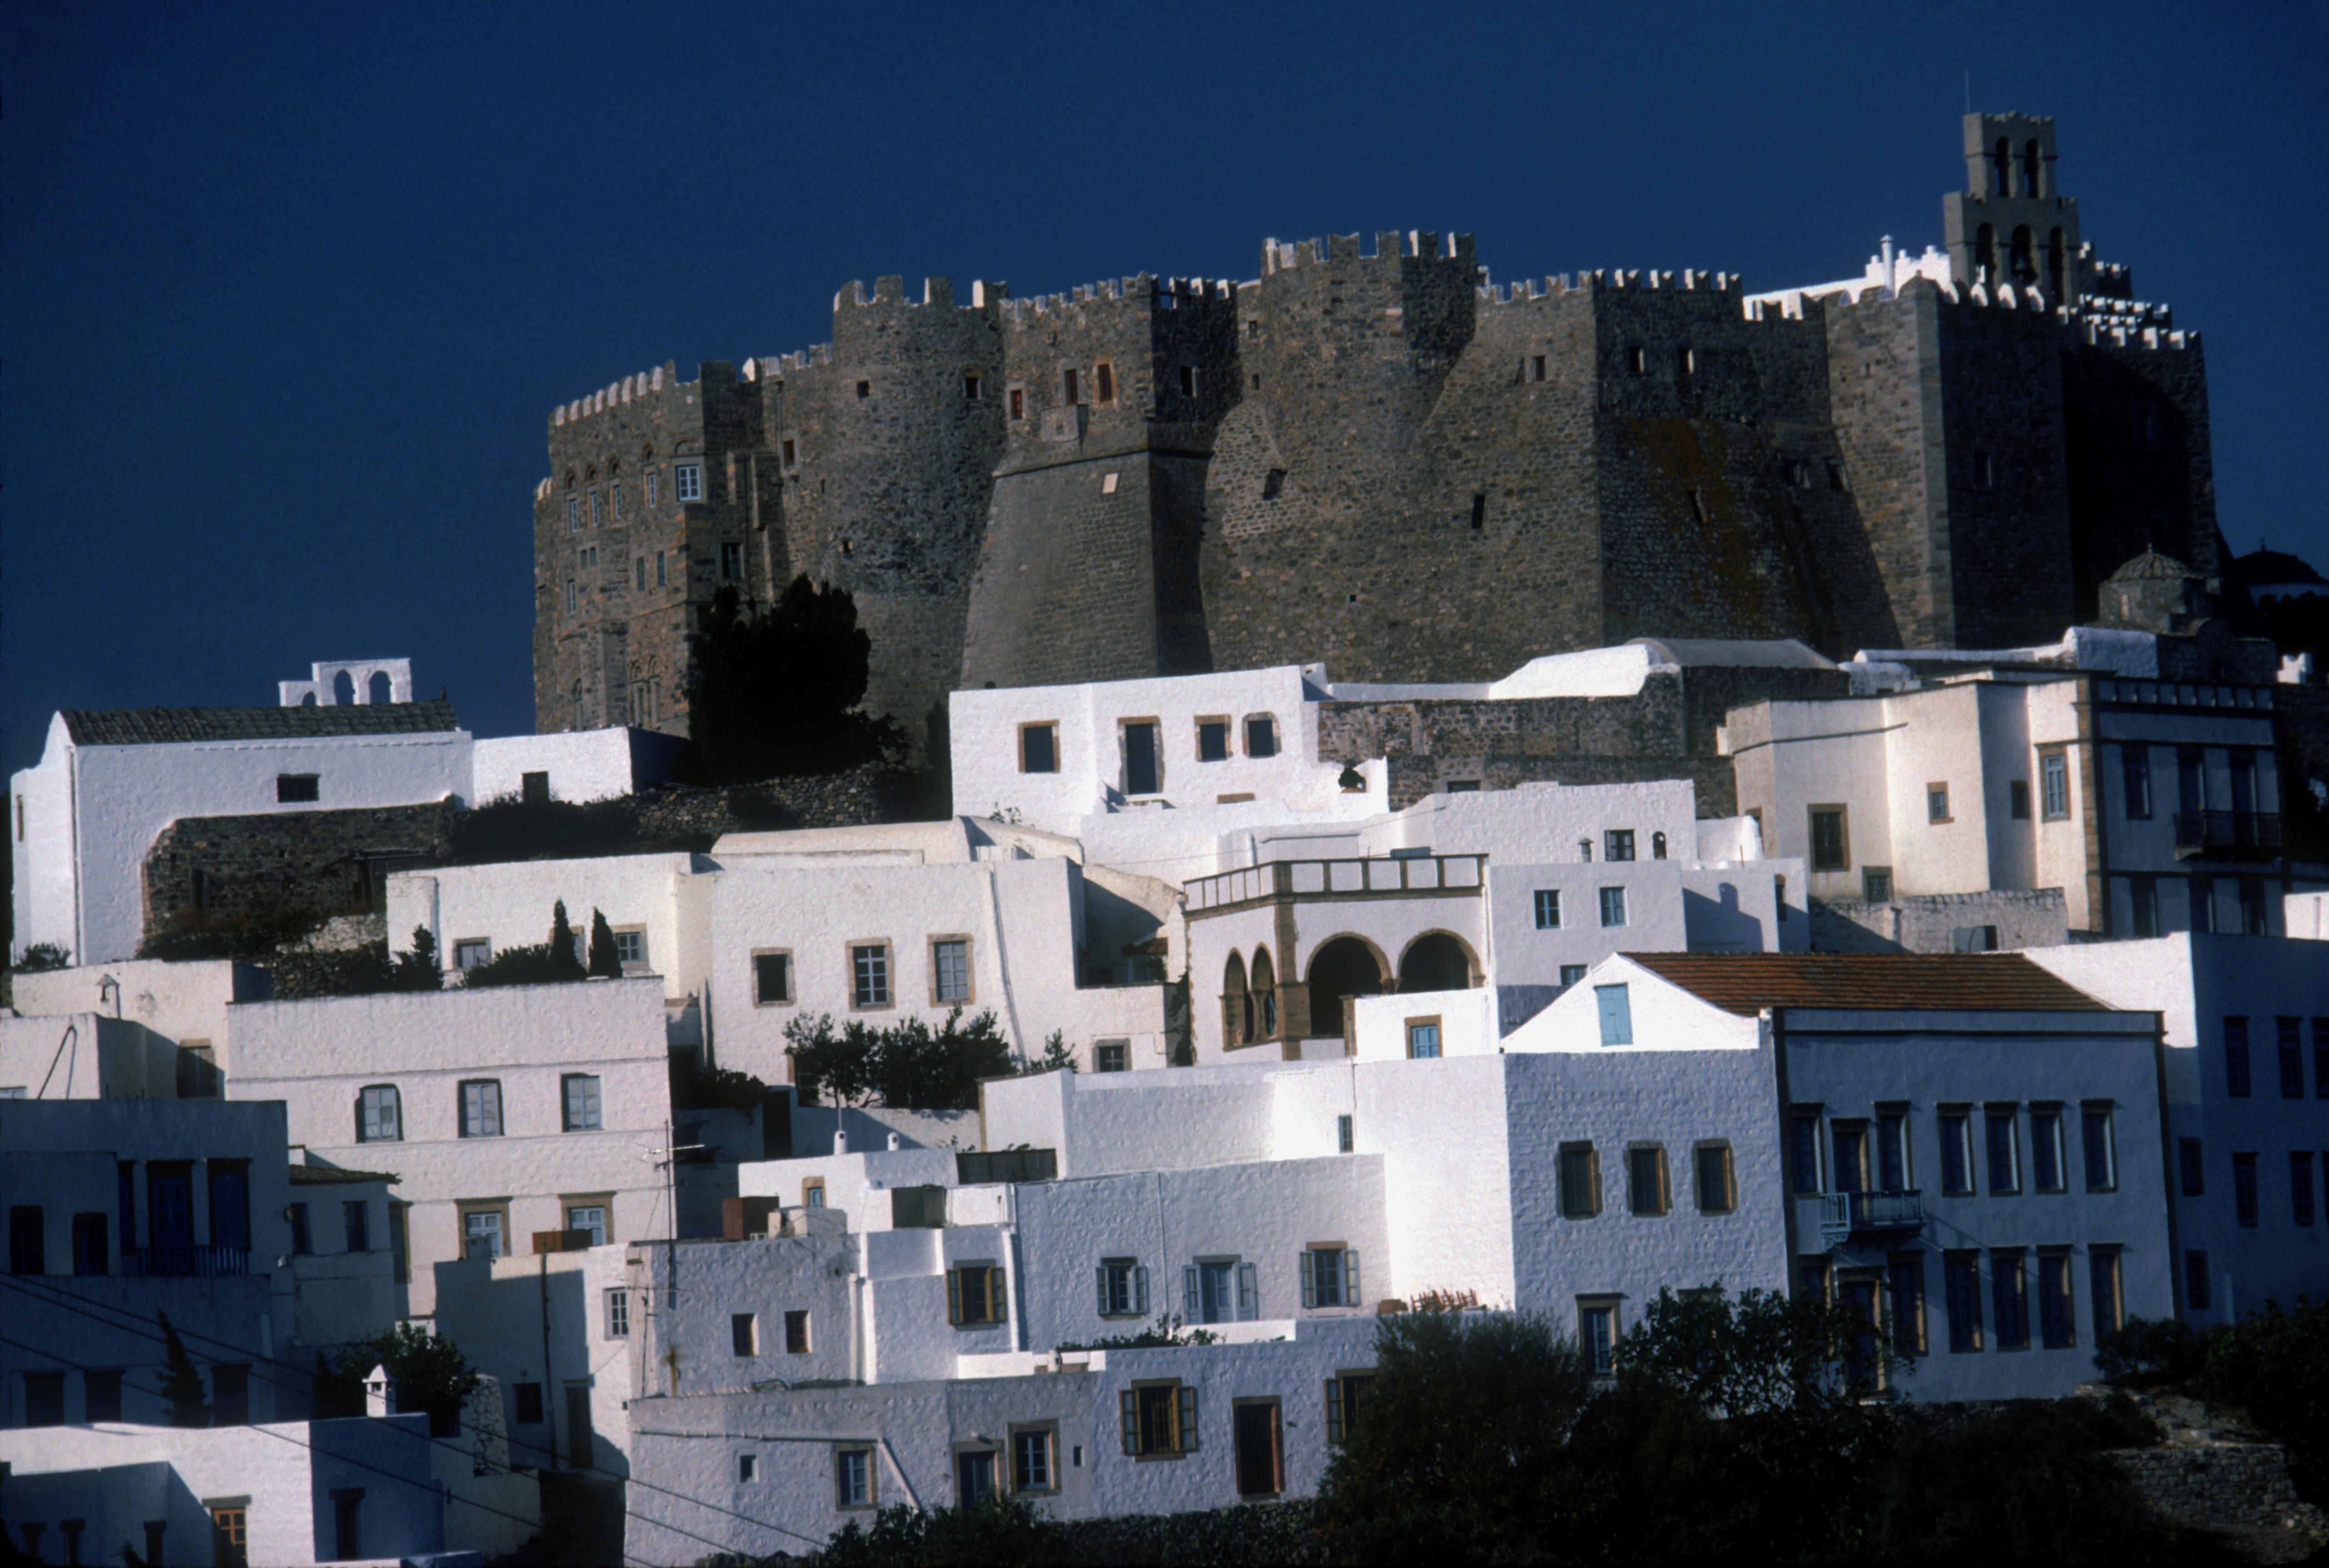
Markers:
(117, 1478)
(509, 905)
(85, 1057)
(584, 765)
(182, 1001)
(316, 1057)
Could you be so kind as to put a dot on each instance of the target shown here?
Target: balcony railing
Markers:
(1395, 877)
(185, 1261)
(1847, 1215)
(2228, 835)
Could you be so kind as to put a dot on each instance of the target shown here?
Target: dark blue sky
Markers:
(287, 294)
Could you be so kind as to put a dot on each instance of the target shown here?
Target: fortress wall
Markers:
(2009, 527)
(887, 492)
(1884, 398)
(618, 634)
(2141, 472)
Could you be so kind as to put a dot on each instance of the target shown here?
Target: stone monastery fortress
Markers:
(1459, 796)
(1374, 455)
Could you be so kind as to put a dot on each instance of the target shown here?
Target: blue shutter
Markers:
(1617, 1015)
(1248, 1304)
(1350, 1279)
(1309, 1279)
(1193, 1308)
(1140, 1289)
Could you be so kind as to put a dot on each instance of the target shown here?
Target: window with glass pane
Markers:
(1960, 1279)
(590, 1218)
(1850, 1156)
(1112, 1056)
(2101, 1148)
(2046, 1166)
(1803, 1151)
(481, 1109)
(1548, 909)
(2054, 785)
(1578, 1199)
(1613, 906)
(771, 978)
(1423, 1040)
(2103, 1289)
(869, 976)
(2136, 773)
(1597, 1336)
(2236, 1056)
(2054, 1325)
(581, 1101)
(2009, 1290)
(852, 1470)
(1715, 1194)
(1261, 736)
(1031, 1461)
(481, 1235)
(1892, 1151)
(382, 1119)
(2004, 1152)
(951, 960)
(1646, 1181)
(1829, 852)
(688, 478)
(1122, 1288)
(1617, 844)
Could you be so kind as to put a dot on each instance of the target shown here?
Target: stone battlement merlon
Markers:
(1389, 245)
(617, 393)
(890, 292)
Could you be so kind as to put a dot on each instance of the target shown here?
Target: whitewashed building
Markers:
(2153, 805)
(2245, 1023)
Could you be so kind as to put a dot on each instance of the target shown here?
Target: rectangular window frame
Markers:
(496, 1208)
(988, 1296)
(1660, 1196)
(485, 1114)
(2099, 1145)
(1828, 859)
(1260, 732)
(1546, 902)
(2054, 793)
(967, 995)
(875, 989)
(2008, 1181)
(1612, 904)
(1961, 1298)
(783, 971)
(1724, 1198)
(2106, 1290)
(1577, 1180)
(856, 1486)
(1937, 804)
(616, 1313)
(1050, 730)
(581, 1106)
(1426, 1040)
(2050, 1168)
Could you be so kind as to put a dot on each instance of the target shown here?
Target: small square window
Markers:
(1039, 749)
(1570, 974)
(631, 948)
(1213, 740)
(1613, 906)
(970, 388)
(1423, 1038)
(1617, 844)
(1260, 736)
(688, 479)
(1548, 909)
(1876, 884)
(1112, 1056)
(864, 388)
(1937, 804)
(291, 788)
(797, 1333)
(744, 1333)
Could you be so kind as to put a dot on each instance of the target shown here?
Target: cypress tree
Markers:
(182, 1382)
(564, 962)
(604, 959)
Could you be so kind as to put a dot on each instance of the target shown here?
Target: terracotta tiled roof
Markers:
(1748, 983)
(162, 726)
(328, 1175)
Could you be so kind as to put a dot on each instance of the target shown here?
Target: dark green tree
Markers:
(427, 1372)
(181, 1380)
(2274, 1365)
(1005, 1530)
(418, 969)
(564, 962)
(907, 1066)
(42, 956)
(604, 959)
(776, 693)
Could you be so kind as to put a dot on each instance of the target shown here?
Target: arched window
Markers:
(2001, 169)
(2025, 257)
(377, 688)
(1264, 997)
(343, 689)
(1585, 850)
(1985, 253)
(2032, 167)
(2057, 268)
(1341, 970)
(1435, 962)
(1657, 846)
(1236, 1005)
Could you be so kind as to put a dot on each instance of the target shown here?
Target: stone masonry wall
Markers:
(317, 862)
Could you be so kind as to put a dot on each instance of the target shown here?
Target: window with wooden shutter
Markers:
(1129, 1406)
(1249, 1296)
(953, 1297)
(1184, 1434)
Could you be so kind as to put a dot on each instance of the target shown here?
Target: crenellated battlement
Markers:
(1142, 288)
(617, 393)
(1609, 280)
(890, 293)
(1389, 245)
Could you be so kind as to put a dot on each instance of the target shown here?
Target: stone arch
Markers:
(2057, 266)
(307, 700)
(2033, 169)
(1439, 961)
(343, 689)
(2025, 255)
(1262, 988)
(1343, 967)
(378, 687)
(1985, 252)
(1236, 1002)
(2001, 168)
(1657, 846)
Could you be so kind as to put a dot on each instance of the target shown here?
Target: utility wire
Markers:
(136, 1326)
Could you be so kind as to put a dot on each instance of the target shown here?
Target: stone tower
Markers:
(2011, 224)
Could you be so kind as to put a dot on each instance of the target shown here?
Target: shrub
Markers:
(1001, 1530)
(2149, 1352)
(42, 956)
(908, 1066)
(427, 1373)
(2274, 1365)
